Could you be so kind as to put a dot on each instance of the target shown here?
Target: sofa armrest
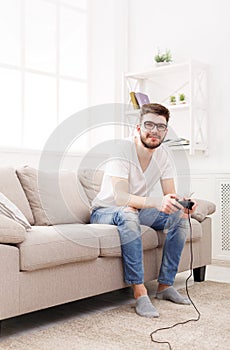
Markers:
(9, 281)
(203, 209)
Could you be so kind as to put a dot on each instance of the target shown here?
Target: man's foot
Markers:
(171, 294)
(139, 290)
(145, 308)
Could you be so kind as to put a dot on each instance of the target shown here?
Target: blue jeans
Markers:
(128, 223)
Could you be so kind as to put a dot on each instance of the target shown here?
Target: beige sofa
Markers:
(61, 257)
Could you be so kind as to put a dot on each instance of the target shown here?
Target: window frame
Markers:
(23, 69)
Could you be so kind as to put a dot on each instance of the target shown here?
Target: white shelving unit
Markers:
(187, 120)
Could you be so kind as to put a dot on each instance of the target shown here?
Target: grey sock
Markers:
(171, 294)
(145, 308)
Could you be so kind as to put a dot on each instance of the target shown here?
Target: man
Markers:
(126, 200)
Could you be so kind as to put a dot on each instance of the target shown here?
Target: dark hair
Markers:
(155, 108)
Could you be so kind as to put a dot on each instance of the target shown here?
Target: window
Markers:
(43, 68)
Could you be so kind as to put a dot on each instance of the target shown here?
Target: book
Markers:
(134, 100)
(142, 99)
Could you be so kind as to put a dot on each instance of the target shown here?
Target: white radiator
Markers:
(216, 188)
(225, 216)
(221, 219)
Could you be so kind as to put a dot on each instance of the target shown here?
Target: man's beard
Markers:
(151, 146)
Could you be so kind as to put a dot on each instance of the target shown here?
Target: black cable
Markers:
(186, 285)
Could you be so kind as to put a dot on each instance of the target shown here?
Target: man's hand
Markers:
(187, 211)
(170, 205)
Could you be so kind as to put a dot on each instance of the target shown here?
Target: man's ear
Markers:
(138, 127)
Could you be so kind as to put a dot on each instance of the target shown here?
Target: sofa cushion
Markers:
(10, 210)
(203, 209)
(10, 186)
(11, 232)
(55, 198)
(91, 181)
(49, 246)
(110, 241)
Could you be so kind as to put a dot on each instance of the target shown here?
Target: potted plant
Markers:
(172, 100)
(182, 98)
(163, 58)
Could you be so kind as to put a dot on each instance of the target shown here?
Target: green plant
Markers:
(172, 99)
(163, 57)
(168, 56)
(182, 97)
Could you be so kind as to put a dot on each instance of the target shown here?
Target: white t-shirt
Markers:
(124, 163)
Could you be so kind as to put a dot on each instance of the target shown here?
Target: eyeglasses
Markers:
(148, 125)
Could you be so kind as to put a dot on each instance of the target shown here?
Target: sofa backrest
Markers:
(51, 199)
(55, 198)
(10, 186)
(91, 181)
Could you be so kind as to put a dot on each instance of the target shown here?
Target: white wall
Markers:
(17, 158)
(102, 55)
(108, 36)
(190, 29)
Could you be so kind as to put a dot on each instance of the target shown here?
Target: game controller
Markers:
(187, 204)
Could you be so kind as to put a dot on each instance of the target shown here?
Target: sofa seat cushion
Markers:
(110, 241)
(47, 246)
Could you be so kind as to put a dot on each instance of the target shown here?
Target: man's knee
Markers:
(129, 225)
(130, 215)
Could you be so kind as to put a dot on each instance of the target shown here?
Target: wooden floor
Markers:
(218, 271)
